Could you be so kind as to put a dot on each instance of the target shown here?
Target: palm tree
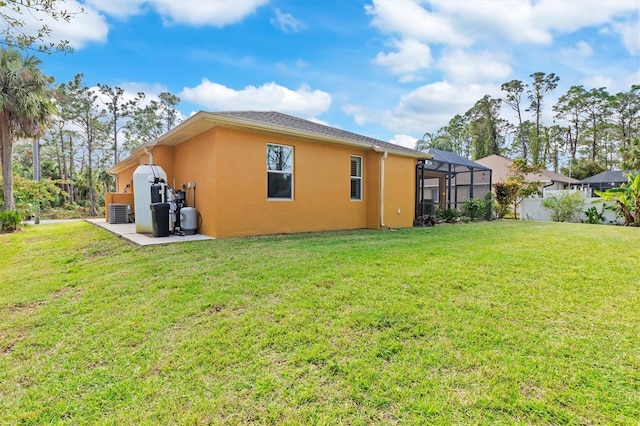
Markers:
(25, 108)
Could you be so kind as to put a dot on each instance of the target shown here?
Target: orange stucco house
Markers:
(256, 173)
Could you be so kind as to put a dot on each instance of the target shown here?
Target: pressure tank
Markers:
(188, 220)
(143, 178)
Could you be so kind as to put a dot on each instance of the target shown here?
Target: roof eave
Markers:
(131, 160)
(261, 126)
(209, 120)
(419, 155)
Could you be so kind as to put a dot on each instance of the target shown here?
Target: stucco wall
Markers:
(229, 169)
(371, 190)
(126, 178)
(162, 156)
(195, 164)
(399, 191)
(321, 193)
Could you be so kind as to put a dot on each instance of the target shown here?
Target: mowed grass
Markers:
(488, 323)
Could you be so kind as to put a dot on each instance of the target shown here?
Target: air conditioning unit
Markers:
(119, 213)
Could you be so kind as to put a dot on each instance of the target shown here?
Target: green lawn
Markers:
(488, 323)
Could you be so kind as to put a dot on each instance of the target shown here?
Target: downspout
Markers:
(384, 157)
(419, 196)
(148, 152)
(546, 186)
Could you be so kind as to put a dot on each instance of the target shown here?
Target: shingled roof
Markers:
(289, 121)
(441, 157)
(609, 177)
(269, 122)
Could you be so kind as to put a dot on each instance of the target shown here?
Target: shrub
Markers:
(32, 196)
(488, 206)
(447, 215)
(564, 207)
(594, 216)
(473, 208)
(425, 220)
(506, 194)
(10, 220)
(69, 211)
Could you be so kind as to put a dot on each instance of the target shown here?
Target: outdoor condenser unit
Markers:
(119, 213)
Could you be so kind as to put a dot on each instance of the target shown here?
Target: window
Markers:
(356, 178)
(279, 172)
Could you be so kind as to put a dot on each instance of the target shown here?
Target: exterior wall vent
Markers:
(119, 213)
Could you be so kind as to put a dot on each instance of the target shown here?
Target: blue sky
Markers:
(389, 69)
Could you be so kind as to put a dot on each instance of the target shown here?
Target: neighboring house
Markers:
(258, 173)
(606, 180)
(501, 168)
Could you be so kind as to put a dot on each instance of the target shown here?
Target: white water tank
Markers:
(188, 220)
(143, 178)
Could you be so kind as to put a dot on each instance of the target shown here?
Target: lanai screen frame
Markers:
(449, 165)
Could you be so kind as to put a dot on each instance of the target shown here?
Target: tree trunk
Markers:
(62, 161)
(521, 134)
(115, 139)
(70, 175)
(6, 145)
(92, 197)
(594, 143)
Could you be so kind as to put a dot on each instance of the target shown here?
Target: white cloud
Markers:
(614, 80)
(409, 19)
(529, 21)
(630, 34)
(569, 16)
(286, 22)
(502, 24)
(598, 81)
(582, 49)
(404, 140)
(189, 12)
(203, 13)
(302, 102)
(489, 19)
(425, 109)
(466, 67)
(411, 56)
(432, 106)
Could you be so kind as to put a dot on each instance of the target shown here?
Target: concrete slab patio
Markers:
(128, 232)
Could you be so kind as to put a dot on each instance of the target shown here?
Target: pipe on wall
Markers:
(148, 152)
(384, 157)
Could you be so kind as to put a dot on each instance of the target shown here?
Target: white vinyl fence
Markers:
(531, 208)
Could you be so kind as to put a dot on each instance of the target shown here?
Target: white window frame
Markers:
(356, 178)
(282, 172)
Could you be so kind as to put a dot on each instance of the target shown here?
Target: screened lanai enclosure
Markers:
(447, 181)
